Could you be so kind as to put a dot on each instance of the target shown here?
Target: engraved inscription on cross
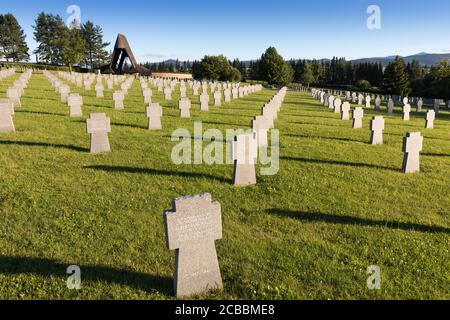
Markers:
(98, 126)
(191, 230)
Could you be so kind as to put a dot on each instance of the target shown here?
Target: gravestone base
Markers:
(100, 143)
(376, 137)
(118, 105)
(244, 174)
(411, 163)
(357, 124)
(75, 111)
(199, 267)
(7, 125)
(185, 113)
(154, 124)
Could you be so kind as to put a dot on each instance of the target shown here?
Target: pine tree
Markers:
(307, 74)
(48, 33)
(96, 55)
(274, 69)
(72, 46)
(396, 80)
(12, 39)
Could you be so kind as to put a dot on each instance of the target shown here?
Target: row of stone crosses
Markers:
(75, 101)
(412, 142)
(12, 101)
(195, 222)
(391, 101)
(154, 110)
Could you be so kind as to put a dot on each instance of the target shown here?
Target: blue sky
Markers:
(185, 29)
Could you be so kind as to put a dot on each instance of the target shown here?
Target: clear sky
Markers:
(188, 29)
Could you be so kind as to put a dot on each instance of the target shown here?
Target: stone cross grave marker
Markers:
(147, 93)
(337, 105)
(406, 111)
(378, 103)
(261, 126)
(227, 94)
(195, 88)
(235, 93)
(376, 128)
(154, 114)
(331, 102)
(191, 230)
(75, 101)
(99, 91)
(13, 95)
(217, 98)
(245, 153)
(326, 100)
(98, 126)
(6, 113)
(368, 101)
(360, 99)
(64, 92)
(390, 106)
(168, 93)
(419, 105)
(436, 106)
(358, 114)
(118, 98)
(182, 92)
(184, 105)
(429, 119)
(204, 100)
(345, 111)
(412, 146)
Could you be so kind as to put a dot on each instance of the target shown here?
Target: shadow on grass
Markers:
(308, 116)
(348, 220)
(134, 126)
(115, 169)
(224, 124)
(323, 138)
(340, 163)
(435, 155)
(46, 145)
(47, 268)
(320, 124)
(43, 113)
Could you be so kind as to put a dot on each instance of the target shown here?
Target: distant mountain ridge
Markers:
(426, 59)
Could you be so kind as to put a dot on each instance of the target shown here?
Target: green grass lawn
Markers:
(337, 205)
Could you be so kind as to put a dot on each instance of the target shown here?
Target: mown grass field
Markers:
(337, 205)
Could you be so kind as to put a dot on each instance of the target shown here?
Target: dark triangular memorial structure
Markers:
(122, 51)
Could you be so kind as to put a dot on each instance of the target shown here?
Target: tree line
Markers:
(58, 44)
(397, 78)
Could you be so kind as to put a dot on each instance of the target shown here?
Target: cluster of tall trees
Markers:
(58, 44)
(215, 68)
(69, 45)
(169, 66)
(13, 45)
(336, 71)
